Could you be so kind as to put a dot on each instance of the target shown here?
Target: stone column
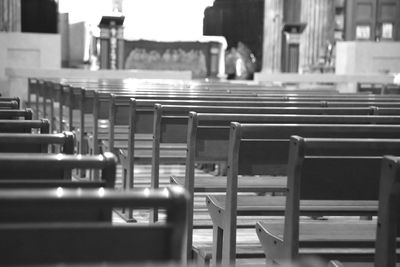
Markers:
(10, 15)
(320, 18)
(273, 16)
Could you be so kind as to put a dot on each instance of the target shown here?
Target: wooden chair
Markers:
(344, 174)
(91, 241)
(36, 143)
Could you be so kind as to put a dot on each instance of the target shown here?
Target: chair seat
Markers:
(171, 151)
(275, 205)
(123, 136)
(117, 128)
(246, 183)
(342, 240)
(355, 234)
(242, 251)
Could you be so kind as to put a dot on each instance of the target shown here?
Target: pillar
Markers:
(320, 18)
(273, 16)
(10, 15)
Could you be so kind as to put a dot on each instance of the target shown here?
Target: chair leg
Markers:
(124, 177)
(217, 245)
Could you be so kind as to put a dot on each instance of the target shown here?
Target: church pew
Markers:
(99, 85)
(36, 143)
(26, 126)
(50, 167)
(124, 87)
(40, 171)
(118, 100)
(93, 242)
(119, 89)
(173, 127)
(102, 101)
(171, 123)
(14, 114)
(9, 104)
(82, 133)
(11, 100)
(94, 102)
(269, 95)
(173, 118)
(388, 213)
(208, 136)
(230, 88)
(262, 149)
(122, 104)
(88, 93)
(331, 170)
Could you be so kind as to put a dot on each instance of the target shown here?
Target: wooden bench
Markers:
(44, 89)
(264, 151)
(92, 241)
(338, 171)
(9, 103)
(208, 136)
(119, 105)
(14, 114)
(36, 143)
(86, 95)
(168, 123)
(54, 167)
(27, 126)
(171, 123)
(55, 90)
(267, 156)
(121, 89)
(170, 129)
(122, 108)
(98, 104)
(79, 93)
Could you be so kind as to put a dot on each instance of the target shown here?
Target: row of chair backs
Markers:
(78, 238)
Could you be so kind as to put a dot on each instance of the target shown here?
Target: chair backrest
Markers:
(208, 134)
(172, 120)
(48, 171)
(263, 148)
(332, 169)
(14, 114)
(19, 126)
(93, 242)
(9, 104)
(54, 166)
(36, 143)
(388, 226)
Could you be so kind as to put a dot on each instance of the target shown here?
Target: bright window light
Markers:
(145, 19)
